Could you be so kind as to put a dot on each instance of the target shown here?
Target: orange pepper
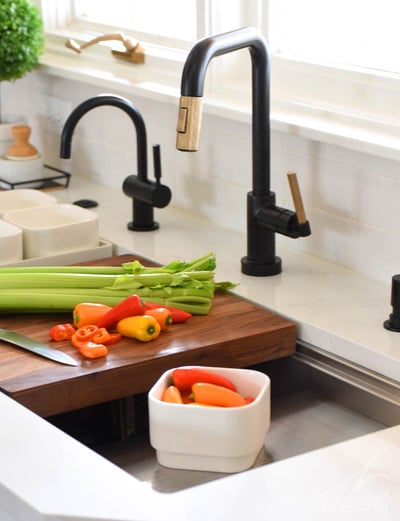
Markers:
(211, 394)
(101, 335)
(86, 333)
(162, 315)
(87, 313)
(113, 339)
(89, 349)
(171, 394)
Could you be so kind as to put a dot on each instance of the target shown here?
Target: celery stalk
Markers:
(188, 286)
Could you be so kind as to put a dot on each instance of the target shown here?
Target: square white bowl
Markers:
(217, 439)
(56, 228)
(10, 242)
(23, 198)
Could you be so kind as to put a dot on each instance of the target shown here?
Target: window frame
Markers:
(350, 107)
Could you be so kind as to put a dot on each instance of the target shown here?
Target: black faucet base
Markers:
(143, 228)
(261, 269)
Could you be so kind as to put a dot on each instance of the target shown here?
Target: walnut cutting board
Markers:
(236, 333)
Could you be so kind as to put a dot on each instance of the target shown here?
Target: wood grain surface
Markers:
(236, 333)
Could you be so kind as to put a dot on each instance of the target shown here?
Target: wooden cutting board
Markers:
(236, 333)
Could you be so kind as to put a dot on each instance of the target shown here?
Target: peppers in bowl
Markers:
(219, 439)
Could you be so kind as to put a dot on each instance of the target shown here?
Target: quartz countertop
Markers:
(45, 474)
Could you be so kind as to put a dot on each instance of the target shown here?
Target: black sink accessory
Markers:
(393, 323)
(86, 203)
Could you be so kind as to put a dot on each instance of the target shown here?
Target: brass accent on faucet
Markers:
(189, 123)
(134, 52)
(296, 196)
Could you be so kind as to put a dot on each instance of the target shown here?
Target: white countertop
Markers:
(45, 474)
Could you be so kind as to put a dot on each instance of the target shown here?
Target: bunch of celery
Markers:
(185, 285)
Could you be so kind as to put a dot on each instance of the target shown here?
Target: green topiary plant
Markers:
(21, 38)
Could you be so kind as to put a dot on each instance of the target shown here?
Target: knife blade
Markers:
(36, 347)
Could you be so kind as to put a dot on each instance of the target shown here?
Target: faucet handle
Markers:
(157, 163)
(296, 196)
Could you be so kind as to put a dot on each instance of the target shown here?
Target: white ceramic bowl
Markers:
(211, 438)
(22, 171)
(10, 242)
(23, 198)
(56, 228)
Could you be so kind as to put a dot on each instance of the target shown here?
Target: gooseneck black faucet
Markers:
(264, 218)
(145, 194)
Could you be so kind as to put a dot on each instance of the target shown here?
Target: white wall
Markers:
(351, 198)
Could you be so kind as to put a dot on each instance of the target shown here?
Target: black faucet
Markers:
(145, 194)
(264, 218)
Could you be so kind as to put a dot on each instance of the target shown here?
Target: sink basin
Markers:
(317, 400)
(56, 228)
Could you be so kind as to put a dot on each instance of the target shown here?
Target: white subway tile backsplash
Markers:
(390, 206)
(351, 198)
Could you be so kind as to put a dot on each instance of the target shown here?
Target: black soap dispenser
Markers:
(393, 323)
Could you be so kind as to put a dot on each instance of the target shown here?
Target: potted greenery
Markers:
(21, 43)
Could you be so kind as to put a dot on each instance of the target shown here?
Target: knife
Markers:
(36, 347)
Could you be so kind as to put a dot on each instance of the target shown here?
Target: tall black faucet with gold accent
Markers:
(264, 218)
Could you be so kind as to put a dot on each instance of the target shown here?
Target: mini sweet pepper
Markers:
(141, 327)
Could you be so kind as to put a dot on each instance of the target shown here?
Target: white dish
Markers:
(56, 228)
(22, 171)
(23, 198)
(10, 242)
(218, 439)
(101, 251)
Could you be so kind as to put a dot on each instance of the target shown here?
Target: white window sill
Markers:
(293, 116)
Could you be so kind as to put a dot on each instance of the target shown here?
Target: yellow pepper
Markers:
(141, 327)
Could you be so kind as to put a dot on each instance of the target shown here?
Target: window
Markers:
(346, 32)
(334, 63)
(175, 19)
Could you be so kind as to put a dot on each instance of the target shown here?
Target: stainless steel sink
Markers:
(317, 400)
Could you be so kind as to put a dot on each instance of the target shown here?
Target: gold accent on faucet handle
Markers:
(296, 195)
(189, 123)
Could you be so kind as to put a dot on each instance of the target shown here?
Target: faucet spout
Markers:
(192, 87)
(115, 101)
(145, 193)
(264, 219)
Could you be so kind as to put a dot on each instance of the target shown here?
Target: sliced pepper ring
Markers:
(86, 333)
(101, 336)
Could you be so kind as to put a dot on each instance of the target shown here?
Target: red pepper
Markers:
(61, 332)
(184, 378)
(89, 349)
(131, 306)
(177, 315)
